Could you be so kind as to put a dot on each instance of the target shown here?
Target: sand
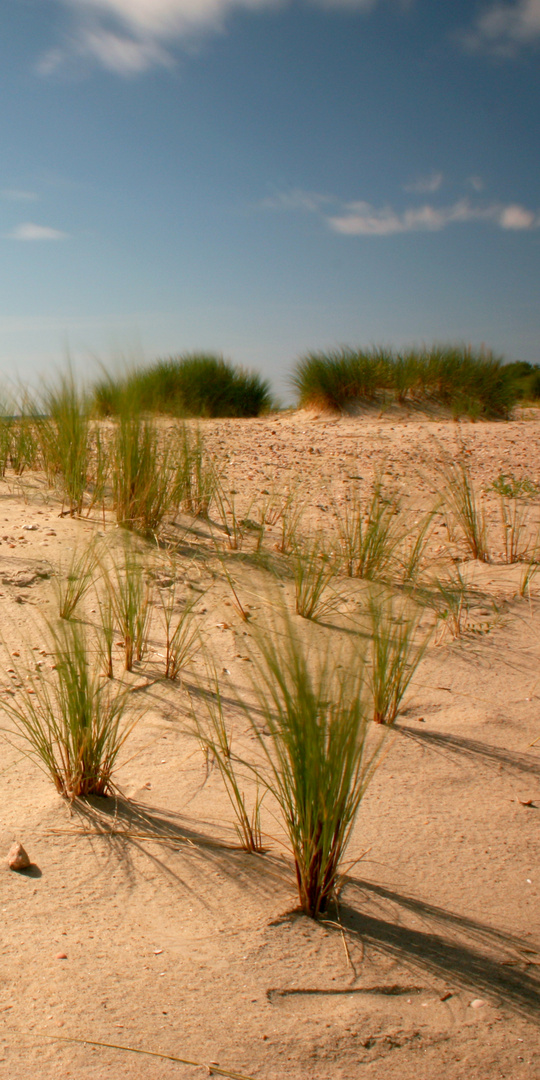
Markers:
(140, 923)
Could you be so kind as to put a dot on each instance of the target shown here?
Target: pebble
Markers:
(18, 858)
(478, 1003)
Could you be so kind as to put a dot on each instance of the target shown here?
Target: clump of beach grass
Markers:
(130, 593)
(71, 582)
(71, 721)
(466, 507)
(233, 523)
(62, 426)
(195, 477)
(369, 531)
(397, 647)
(23, 446)
(215, 738)
(317, 756)
(413, 550)
(465, 381)
(286, 509)
(182, 639)
(189, 385)
(514, 505)
(141, 475)
(314, 570)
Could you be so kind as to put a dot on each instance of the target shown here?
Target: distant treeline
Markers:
(453, 379)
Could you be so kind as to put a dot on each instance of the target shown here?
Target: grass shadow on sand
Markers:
(475, 750)
(170, 842)
(461, 951)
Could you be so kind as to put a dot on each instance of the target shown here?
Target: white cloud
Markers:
(516, 217)
(425, 185)
(504, 28)
(363, 219)
(129, 36)
(29, 231)
(125, 55)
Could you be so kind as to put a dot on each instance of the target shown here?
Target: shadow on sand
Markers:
(475, 750)
(448, 946)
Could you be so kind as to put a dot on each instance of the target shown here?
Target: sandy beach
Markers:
(141, 923)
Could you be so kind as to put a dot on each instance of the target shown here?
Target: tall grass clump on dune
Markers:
(215, 738)
(318, 756)
(140, 474)
(470, 382)
(336, 379)
(71, 720)
(515, 497)
(397, 647)
(130, 594)
(466, 507)
(191, 385)
(314, 570)
(467, 382)
(62, 426)
(196, 475)
(369, 531)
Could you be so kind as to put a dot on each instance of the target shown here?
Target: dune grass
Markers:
(369, 531)
(191, 385)
(71, 721)
(317, 754)
(62, 426)
(514, 504)
(397, 647)
(215, 738)
(457, 378)
(314, 571)
(73, 580)
(182, 640)
(140, 473)
(130, 596)
(196, 475)
(467, 507)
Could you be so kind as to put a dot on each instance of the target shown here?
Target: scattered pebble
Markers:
(478, 1003)
(17, 857)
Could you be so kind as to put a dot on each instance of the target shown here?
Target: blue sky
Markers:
(263, 177)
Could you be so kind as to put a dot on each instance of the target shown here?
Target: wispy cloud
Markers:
(131, 36)
(29, 231)
(363, 219)
(476, 183)
(16, 195)
(425, 185)
(506, 28)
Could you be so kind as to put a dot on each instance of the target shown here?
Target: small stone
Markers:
(61, 956)
(17, 858)
(478, 1003)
